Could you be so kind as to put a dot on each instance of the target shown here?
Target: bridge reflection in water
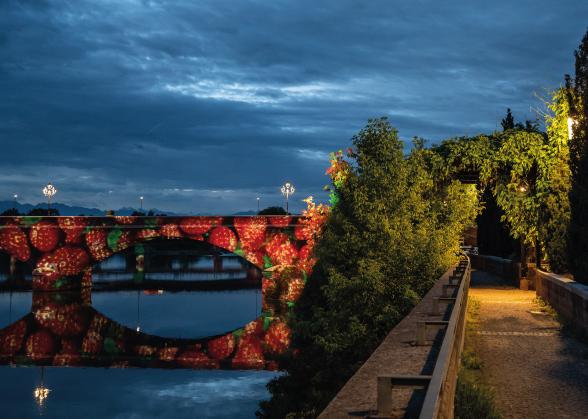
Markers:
(65, 329)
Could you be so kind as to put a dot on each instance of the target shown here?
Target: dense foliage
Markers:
(276, 210)
(388, 238)
(527, 173)
(577, 93)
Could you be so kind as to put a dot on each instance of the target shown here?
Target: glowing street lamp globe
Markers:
(287, 190)
(49, 191)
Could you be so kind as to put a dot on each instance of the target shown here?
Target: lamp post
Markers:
(287, 190)
(14, 206)
(141, 205)
(49, 191)
(257, 204)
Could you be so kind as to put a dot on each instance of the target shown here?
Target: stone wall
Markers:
(509, 270)
(567, 296)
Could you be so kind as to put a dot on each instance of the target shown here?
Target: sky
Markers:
(205, 106)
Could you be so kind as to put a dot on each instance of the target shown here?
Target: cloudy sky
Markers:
(204, 106)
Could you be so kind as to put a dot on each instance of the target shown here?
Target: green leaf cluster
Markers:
(528, 174)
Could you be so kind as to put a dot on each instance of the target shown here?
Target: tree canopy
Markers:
(577, 94)
(275, 210)
(526, 172)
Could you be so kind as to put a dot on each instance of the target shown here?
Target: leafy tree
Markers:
(554, 219)
(138, 214)
(37, 212)
(526, 172)
(387, 240)
(11, 212)
(272, 211)
(508, 122)
(577, 94)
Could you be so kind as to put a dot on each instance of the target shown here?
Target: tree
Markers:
(508, 122)
(39, 212)
(388, 238)
(525, 178)
(273, 211)
(11, 212)
(577, 94)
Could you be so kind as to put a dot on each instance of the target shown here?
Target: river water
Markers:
(176, 298)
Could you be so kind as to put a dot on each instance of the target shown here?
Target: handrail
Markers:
(440, 393)
(441, 390)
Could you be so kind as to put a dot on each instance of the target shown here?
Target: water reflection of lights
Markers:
(41, 393)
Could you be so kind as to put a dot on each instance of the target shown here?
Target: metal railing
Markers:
(441, 384)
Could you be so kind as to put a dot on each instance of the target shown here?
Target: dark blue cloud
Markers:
(204, 106)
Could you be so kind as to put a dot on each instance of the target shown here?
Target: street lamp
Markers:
(141, 205)
(257, 204)
(287, 190)
(571, 123)
(14, 206)
(49, 191)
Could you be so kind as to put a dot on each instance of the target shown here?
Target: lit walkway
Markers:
(535, 371)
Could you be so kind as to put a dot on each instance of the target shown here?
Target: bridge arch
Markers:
(62, 250)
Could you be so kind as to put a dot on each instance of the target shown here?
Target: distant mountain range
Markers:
(69, 211)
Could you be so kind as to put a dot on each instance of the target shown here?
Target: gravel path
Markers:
(535, 371)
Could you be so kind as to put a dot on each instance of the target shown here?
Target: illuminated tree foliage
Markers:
(339, 171)
(387, 240)
(577, 93)
(526, 172)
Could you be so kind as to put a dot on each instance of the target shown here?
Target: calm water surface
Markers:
(184, 310)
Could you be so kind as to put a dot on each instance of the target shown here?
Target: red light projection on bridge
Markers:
(63, 328)
(64, 249)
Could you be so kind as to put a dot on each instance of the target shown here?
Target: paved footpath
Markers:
(535, 371)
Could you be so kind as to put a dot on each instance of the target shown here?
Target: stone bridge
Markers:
(62, 250)
(64, 330)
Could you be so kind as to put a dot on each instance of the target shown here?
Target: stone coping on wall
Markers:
(571, 285)
(568, 297)
(397, 355)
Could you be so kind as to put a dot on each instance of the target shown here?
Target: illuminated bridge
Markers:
(63, 329)
(62, 250)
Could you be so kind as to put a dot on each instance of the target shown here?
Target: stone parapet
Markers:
(567, 296)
